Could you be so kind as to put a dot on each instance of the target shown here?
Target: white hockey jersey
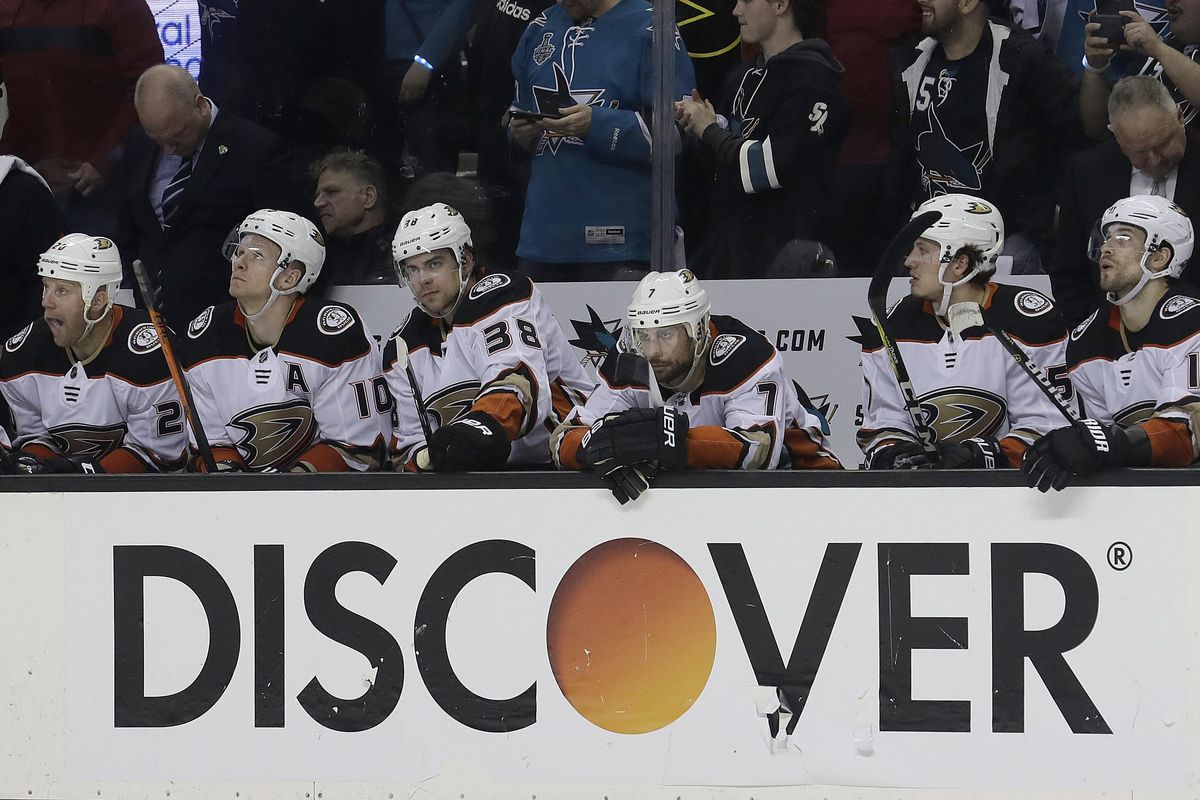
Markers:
(967, 386)
(120, 407)
(745, 414)
(505, 355)
(1129, 378)
(315, 400)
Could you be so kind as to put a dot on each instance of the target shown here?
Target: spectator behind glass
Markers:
(982, 108)
(1151, 153)
(1171, 60)
(861, 36)
(191, 173)
(776, 147)
(351, 203)
(587, 211)
(30, 222)
(69, 67)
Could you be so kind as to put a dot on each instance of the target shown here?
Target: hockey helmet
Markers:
(966, 222)
(425, 231)
(298, 240)
(663, 299)
(91, 261)
(1163, 222)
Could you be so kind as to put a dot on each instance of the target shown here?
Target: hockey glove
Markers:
(901, 455)
(1081, 449)
(979, 453)
(628, 482)
(474, 441)
(636, 436)
(29, 464)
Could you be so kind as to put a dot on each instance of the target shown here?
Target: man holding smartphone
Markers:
(1115, 28)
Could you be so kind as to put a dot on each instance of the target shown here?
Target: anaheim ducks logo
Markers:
(960, 412)
(1032, 304)
(332, 320)
(1177, 306)
(723, 347)
(487, 284)
(977, 207)
(143, 339)
(275, 434)
(88, 441)
(449, 402)
(100, 243)
(1132, 415)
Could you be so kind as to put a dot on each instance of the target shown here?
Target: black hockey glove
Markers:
(979, 453)
(474, 441)
(29, 464)
(1082, 449)
(636, 436)
(628, 482)
(901, 455)
(6, 462)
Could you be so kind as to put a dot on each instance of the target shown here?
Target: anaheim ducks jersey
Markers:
(505, 355)
(315, 400)
(1129, 377)
(745, 414)
(119, 407)
(967, 386)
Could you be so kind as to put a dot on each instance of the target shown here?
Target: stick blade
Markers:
(896, 251)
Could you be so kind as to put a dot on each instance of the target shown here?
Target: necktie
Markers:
(173, 194)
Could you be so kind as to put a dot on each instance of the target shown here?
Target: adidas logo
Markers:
(513, 10)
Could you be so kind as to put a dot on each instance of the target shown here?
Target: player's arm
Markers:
(755, 418)
(886, 432)
(348, 403)
(199, 377)
(567, 441)
(156, 439)
(1173, 431)
(1030, 413)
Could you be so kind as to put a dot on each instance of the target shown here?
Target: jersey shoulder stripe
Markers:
(490, 294)
(737, 352)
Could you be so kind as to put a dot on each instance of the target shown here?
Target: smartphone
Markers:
(1113, 8)
(1112, 28)
(531, 116)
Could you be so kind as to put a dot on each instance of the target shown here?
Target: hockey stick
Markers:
(633, 368)
(877, 301)
(418, 401)
(181, 384)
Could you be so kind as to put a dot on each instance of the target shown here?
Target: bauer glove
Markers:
(474, 441)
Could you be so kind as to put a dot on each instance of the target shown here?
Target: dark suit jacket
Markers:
(1094, 180)
(242, 168)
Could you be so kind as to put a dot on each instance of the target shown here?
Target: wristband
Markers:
(424, 62)
(1094, 70)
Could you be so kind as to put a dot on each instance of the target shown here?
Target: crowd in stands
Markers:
(807, 133)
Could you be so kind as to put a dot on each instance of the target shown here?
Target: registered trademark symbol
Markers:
(1120, 556)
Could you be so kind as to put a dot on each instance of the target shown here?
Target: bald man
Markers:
(190, 174)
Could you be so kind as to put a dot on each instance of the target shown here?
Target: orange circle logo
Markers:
(631, 636)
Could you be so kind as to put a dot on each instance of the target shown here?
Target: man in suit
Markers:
(1151, 153)
(189, 175)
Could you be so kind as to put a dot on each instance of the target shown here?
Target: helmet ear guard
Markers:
(1165, 225)
(94, 262)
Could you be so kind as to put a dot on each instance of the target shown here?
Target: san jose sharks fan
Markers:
(727, 403)
(87, 385)
(494, 371)
(283, 382)
(980, 408)
(1136, 362)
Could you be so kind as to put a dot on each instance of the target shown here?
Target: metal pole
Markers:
(662, 220)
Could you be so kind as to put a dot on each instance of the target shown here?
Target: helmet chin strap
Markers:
(943, 305)
(1147, 276)
(275, 294)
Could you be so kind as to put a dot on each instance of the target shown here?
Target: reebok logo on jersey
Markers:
(1098, 437)
(1033, 304)
(333, 320)
(488, 284)
(513, 10)
(1177, 306)
(18, 339)
(723, 347)
(143, 339)
(200, 324)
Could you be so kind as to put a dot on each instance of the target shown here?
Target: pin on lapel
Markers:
(222, 150)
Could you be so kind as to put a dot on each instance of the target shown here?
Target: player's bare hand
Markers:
(415, 83)
(695, 114)
(575, 121)
(86, 179)
(523, 131)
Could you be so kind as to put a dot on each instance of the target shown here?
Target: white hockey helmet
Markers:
(966, 222)
(91, 261)
(663, 299)
(425, 231)
(1163, 222)
(298, 240)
